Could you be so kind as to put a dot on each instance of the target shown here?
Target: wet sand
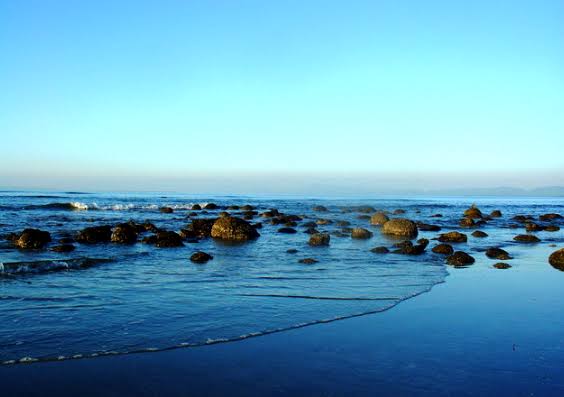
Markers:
(484, 331)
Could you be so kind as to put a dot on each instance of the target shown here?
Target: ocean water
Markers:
(142, 298)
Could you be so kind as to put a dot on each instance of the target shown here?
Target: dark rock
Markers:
(365, 209)
(467, 222)
(66, 240)
(425, 227)
(31, 239)
(453, 237)
(319, 239)
(437, 216)
(224, 214)
(233, 229)
(361, 233)
(496, 214)
(526, 238)
(63, 248)
(149, 227)
(308, 261)
(210, 206)
(549, 217)
(257, 225)
(324, 221)
(380, 250)
(407, 247)
(168, 239)
(342, 223)
(196, 207)
(443, 249)
(479, 234)
(311, 230)
(399, 211)
(501, 265)
(166, 210)
(320, 208)
(309, 224)
(124, 233)
(400, 227)
(287, 230)
(201, 228)
(152, 240)
(498, 253)
(292, 251)
(460, 259)
(473, 212)
(200, 257)
(247, 208)
(556, 259)
(551, 228)
(233, 208)
(533, 227)
(379, 218)
(522, 218)
(95, 234)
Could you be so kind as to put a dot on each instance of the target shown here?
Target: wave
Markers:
(332, 298)
(81, 206)
(45, 266)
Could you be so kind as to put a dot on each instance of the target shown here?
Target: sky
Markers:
(266, 95)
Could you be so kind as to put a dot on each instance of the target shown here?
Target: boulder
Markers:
(166, 210)
(380, 250)
(292, 251)
(379, 218)
(200, 257)
(453, 237)
(498, 253)
(467, 222)
(473, 212)
(124, 233)
(320, 208)
(399, 211)
(556, 259)
(361, 233)
(211, 206)
(32, 239)
(408, 248)
(551, 228)
(460, 259)
(400, 227)
(501, 265)
(319, 239)
(443, 249)
(168, 239)
(196, 207)
(308, 261)
(526, 238)
(233, 229)
(533, 227)
(201, 228)
(479, 234)
(425, 227)
(287, 230)
(496, 214)
(95, 234)
(549, 217)
(63, 248)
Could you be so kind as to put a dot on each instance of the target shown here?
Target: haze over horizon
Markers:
(296, 97)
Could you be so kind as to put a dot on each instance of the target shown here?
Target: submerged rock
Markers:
(308, 261)
(361, 233)
(551, 228)
(425, 227)
(63, 248)
(443, 249)
(479, 234)
(460, 259)
(200, 228)
(400, 227)
(556, 259)
(533, 227)
(319, 239)
(320, 208)
(549, 217)
(453, 237)
(95, 234)
(200, 257)
(380, 250)
(292, 251)
(233, 229)
(497, 253)
(526, 238)
(32, 239)
(124, 233)
(501, 265)
(379, 218)
(287, 230)
(166, 210)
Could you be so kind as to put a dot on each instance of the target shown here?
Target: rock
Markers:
(498, 253)
(400, 227)
(95, 234)
(31, 239)
(379, 218)
(292, 251)
(124, 233)
(361, 233)
(467, 222)
(150, 239)
(501, 265)
(210, 206)
(425, 227)
(551, 228)
(342, 223)
(320, 208)
(324, 221)
(473, 212)
(533, 227)
(399, 211)
(63, 248)
(166, 210)
(196, 207)
(556, 259)
(308, 261)
(287, 230)
(453, 237)
(479, 234)
(319, 239)
(201, 228)
(311, 230)
(168, 239)
(257, 225)
(247, 208)
(380, 250)
(233, 208)
(365, 209)
(526, 238)
(149, 227)
(200, 257)
(233, 229)
(437, 216)
(549, 217)
(496, 214)
(522, 218)
(443, 249)
(66, 240)
(407, 247)
(309, 224)
(460, 259)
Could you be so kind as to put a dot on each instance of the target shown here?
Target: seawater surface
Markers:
(134, 298)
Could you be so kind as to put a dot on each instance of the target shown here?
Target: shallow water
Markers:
(145, 298)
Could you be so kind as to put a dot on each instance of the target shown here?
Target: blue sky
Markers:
(426, 93)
